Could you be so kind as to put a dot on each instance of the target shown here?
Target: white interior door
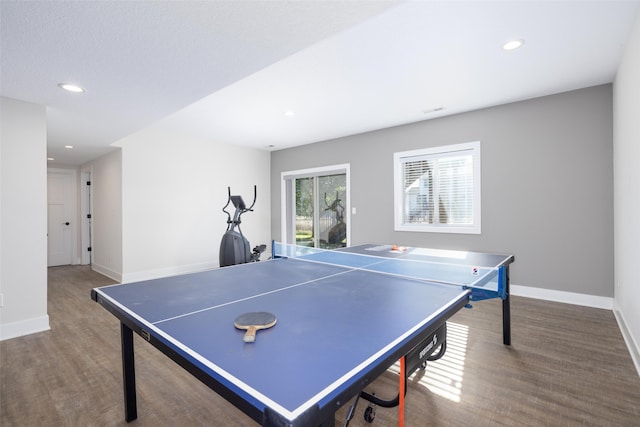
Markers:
(61, 218)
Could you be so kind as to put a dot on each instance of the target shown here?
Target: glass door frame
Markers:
(287, 198)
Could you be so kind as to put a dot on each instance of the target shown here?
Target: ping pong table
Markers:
(343, 318)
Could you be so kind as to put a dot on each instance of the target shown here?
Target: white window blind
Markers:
(438, 189)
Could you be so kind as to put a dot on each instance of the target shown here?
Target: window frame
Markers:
(400, 158)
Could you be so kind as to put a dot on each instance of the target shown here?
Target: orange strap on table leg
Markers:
(401, 395)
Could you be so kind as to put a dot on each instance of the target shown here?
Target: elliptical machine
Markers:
(234, 247)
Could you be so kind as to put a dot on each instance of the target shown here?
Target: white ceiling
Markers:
(228, 70)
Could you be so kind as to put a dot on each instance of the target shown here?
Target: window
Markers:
(438, 189)
(315, 204)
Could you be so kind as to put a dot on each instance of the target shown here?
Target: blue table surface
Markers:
(436, 256)
(471, 269)
(328, 330)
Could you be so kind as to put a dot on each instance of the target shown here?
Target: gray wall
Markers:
(547, 181)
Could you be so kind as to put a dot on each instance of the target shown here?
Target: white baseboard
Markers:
(24, 327)
(166, 272)
(634, 348)
(107, 272)
(564, 297)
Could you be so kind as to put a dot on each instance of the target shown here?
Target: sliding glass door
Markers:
(317, 201)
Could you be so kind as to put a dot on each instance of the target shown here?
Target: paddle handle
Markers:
(250, 335)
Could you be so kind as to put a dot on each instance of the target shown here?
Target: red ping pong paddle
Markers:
(253, 322)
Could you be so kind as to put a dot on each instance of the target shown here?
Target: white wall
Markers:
(106, 221)
(626, 109)
(173, 190)
(23, 218)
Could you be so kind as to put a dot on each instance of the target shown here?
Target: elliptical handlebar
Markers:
(255, 197)
(240, 206)
(224, 209)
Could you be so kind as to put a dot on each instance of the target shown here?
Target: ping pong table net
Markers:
(414, 263)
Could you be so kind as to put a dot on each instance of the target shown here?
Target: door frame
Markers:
(287, 202)
(86, 209)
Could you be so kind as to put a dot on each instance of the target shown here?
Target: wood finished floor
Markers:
(568, 366)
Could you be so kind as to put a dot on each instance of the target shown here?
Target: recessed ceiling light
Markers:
(68, 146)
(512, 44)
(50, 158)
(289, 113)
(70, 87)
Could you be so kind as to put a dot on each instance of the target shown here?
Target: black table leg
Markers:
(128, 373)
(506, 312)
